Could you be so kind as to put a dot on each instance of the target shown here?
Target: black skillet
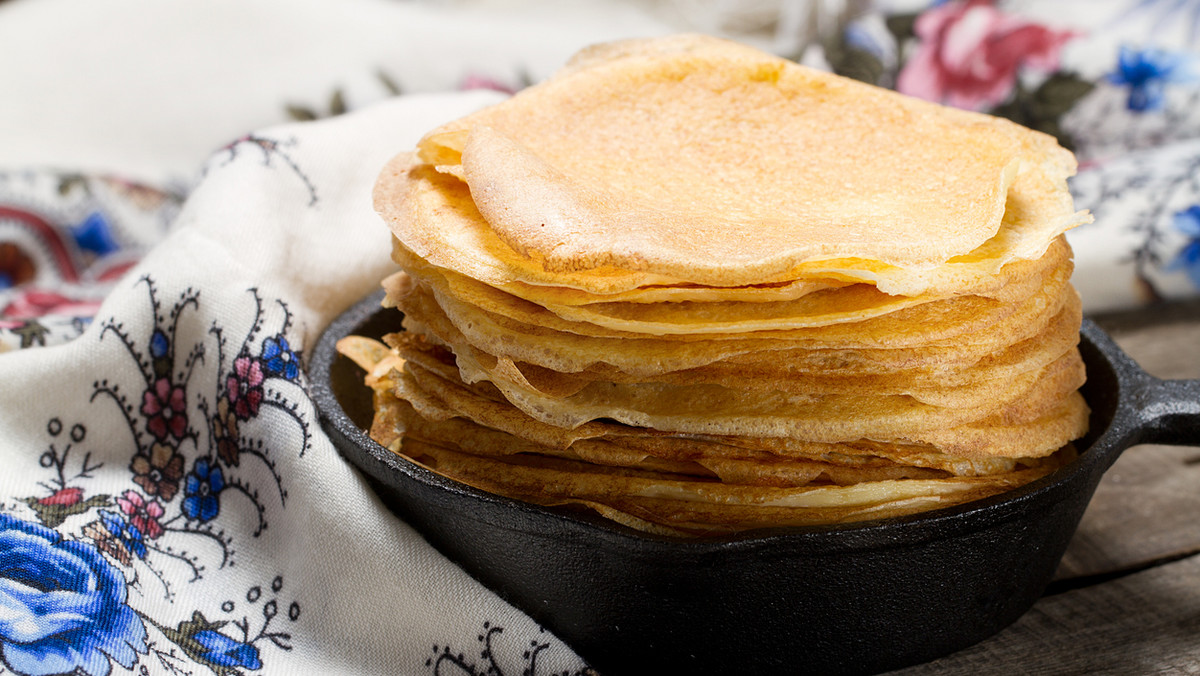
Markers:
(858, 598)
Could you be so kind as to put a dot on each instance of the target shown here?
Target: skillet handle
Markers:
(1168, 411)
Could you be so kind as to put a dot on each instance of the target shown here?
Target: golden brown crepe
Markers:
(696, 288)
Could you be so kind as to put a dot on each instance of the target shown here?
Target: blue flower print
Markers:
(125, 532)
(62, 605)
(1188, 258)
(160, 355)
(160, 345)
(202, 488)
(223, 651)
(1148, 71)
(278, 358)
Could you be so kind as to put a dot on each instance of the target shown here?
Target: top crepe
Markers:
(694, 160)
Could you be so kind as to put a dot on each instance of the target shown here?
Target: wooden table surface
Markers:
(1126, 599)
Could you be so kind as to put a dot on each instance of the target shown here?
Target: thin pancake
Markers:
(613, 191)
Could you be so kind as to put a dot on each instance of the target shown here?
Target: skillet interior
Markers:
(861, 598)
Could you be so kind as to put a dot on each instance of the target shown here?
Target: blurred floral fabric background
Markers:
(1109, 79)
(1112, 80)
(171, 426)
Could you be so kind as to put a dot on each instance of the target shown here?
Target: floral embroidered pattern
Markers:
(65, 500)
(158, 471)
(31, 303)
(64, 604)
(224, 652)
(969, 54)
(244, 392)
(16, 267)
(165, 409)
(210, 643)
(1147, 72)
(115, 536)
(445, 660)
(65, 238)
(1188, 257)
(272, 150)
(244, 387)
(1151, 194)
(187, 466)
(204, 486)
(95, 234)
(225, 433)
(143, 514)
(278, 358)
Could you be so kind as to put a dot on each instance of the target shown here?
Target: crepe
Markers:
(696, 289)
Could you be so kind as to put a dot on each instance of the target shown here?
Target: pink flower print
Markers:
(244, 387)
(969, 54)
(142, 514)
(164, 406)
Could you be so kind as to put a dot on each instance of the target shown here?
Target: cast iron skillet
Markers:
(859, 598)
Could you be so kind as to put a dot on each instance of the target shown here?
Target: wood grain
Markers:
(1126, 599)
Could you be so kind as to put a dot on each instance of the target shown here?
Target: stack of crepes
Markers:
(699, 289)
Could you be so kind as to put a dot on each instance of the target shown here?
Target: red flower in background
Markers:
(16, 267)
(476, 81)
(34, 303)
(970, 52)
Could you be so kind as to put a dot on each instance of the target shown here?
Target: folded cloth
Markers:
(168, 497)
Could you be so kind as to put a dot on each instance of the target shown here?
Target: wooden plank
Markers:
(1146, 506)
(1147, 623)
(1127, 596)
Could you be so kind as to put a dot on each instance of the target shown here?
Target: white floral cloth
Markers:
(169, 255)
(171, 449)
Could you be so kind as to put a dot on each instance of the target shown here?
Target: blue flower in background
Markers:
(127, 533)
(95, 234)
(1188, 258)
(859, 37)
(223, 651)
(279, 359)
(1148, 71)
(202, 488)
(62, 605)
